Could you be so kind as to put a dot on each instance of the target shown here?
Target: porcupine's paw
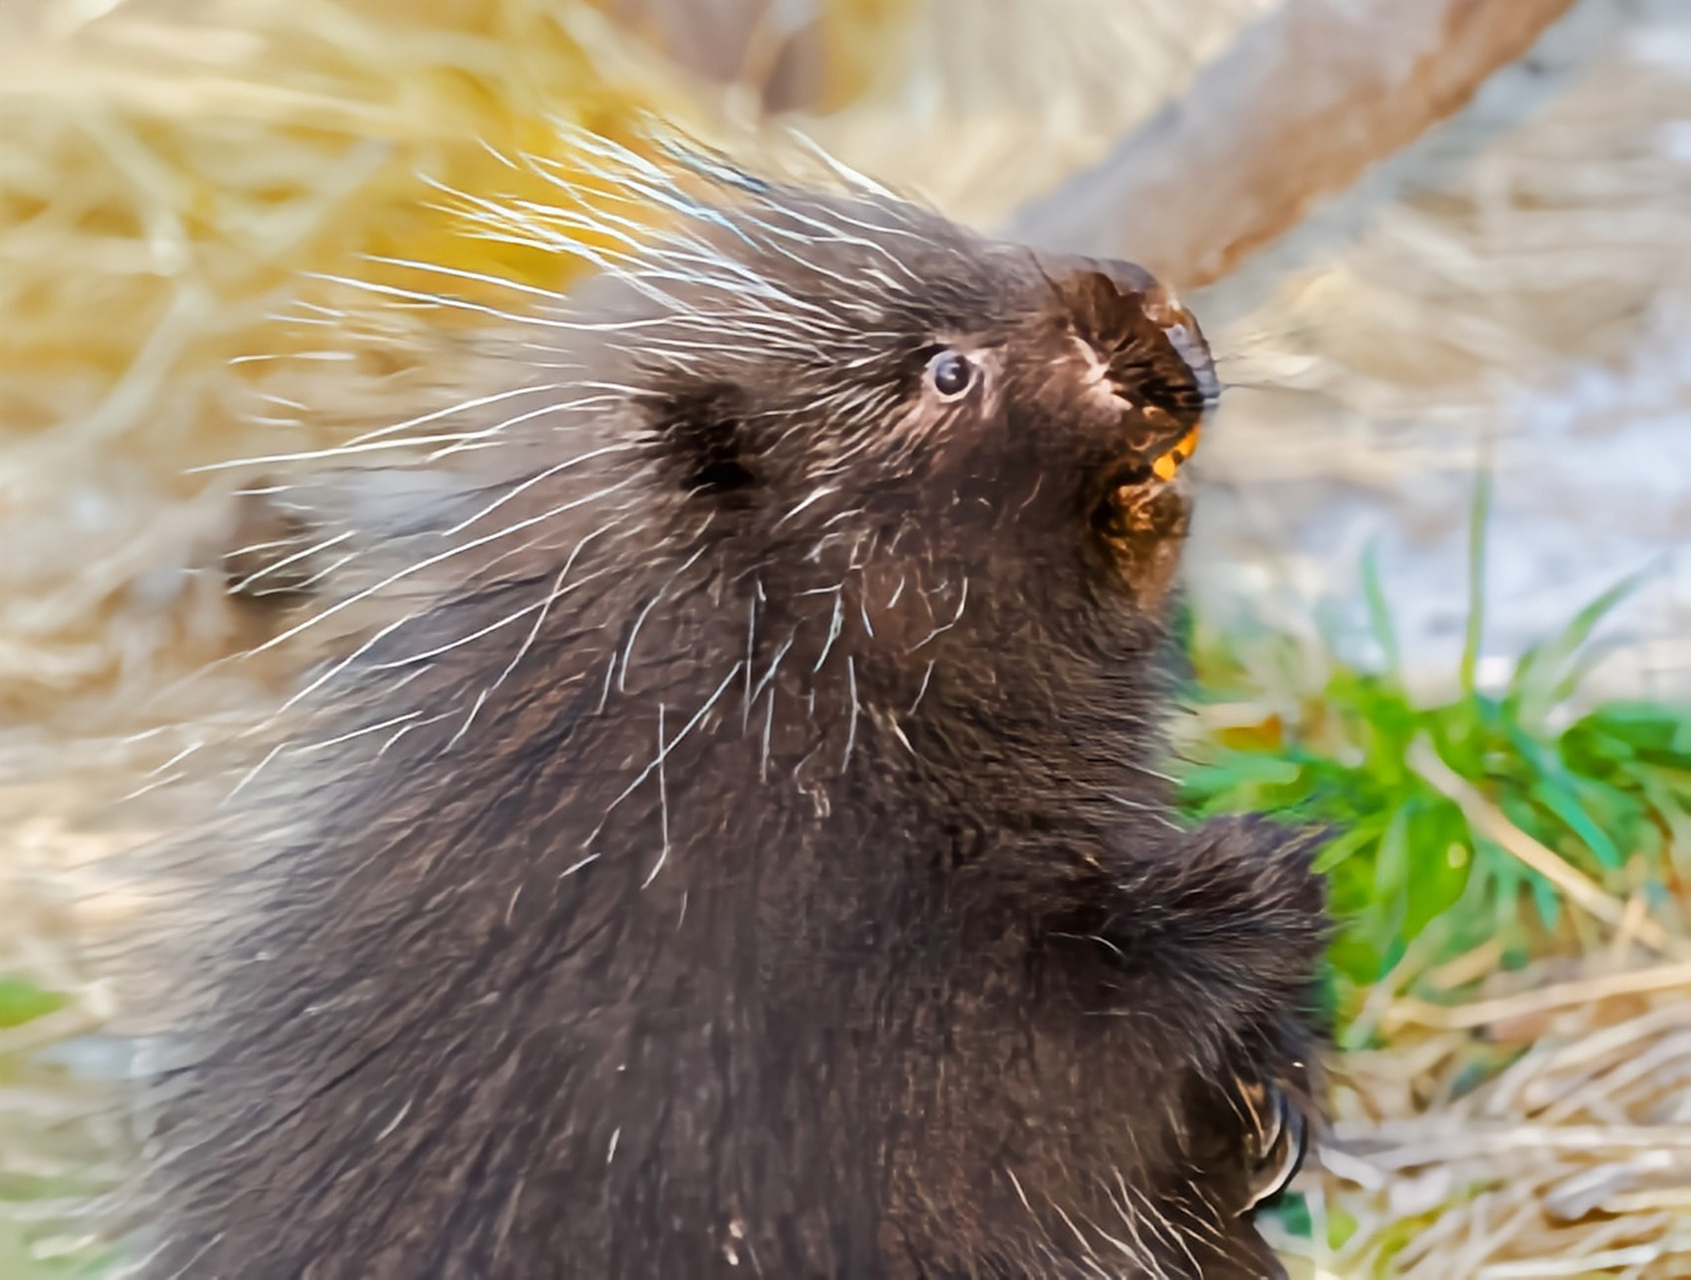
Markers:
(1224, 930)
(1265, 927)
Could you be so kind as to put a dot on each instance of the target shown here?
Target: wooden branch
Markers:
(1305, 100)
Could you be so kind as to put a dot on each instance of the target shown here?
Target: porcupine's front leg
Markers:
(1232, 910)
(1220, 936)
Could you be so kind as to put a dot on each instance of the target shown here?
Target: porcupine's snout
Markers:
(1149, 382)
(1151, 355)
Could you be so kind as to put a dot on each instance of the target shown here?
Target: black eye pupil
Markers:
(951, 373)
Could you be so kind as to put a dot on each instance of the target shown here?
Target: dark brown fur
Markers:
(786, 888)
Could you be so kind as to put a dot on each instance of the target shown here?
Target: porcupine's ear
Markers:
(702, 428)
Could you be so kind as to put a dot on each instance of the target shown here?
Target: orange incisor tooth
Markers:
(1169, 463)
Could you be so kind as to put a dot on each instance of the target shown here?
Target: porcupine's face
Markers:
(1065, 428)
(918, 397)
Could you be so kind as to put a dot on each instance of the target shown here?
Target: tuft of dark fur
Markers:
(741, 851)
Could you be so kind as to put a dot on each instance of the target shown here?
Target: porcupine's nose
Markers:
(1161, 307)
(1138, 327)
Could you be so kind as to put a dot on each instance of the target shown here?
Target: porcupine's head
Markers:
(964, 456)
(925, 465)
(859, 373)
(937, 466)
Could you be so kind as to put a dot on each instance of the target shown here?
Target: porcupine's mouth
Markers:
(1143, 498)
(1138, 498)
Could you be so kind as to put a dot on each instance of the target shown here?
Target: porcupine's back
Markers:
(737, 847)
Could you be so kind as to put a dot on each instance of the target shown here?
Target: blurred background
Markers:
(1438, 585)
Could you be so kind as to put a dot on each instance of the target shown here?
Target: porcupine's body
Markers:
(752, 862)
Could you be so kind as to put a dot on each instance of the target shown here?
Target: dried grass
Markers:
(1541, 1129)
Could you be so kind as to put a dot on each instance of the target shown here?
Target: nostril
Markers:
(1190, 346)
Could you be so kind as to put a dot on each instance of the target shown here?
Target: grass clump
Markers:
(1606, 789)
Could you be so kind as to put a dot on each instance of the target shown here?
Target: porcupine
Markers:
(746, 854)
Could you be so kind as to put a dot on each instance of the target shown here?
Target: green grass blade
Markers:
(1478, 520)
(1379, 611)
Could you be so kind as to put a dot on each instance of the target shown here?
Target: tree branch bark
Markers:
(1305, 100)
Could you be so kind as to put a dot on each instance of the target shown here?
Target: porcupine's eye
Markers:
(951, 374)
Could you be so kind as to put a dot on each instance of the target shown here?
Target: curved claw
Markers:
(1278, 1143)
